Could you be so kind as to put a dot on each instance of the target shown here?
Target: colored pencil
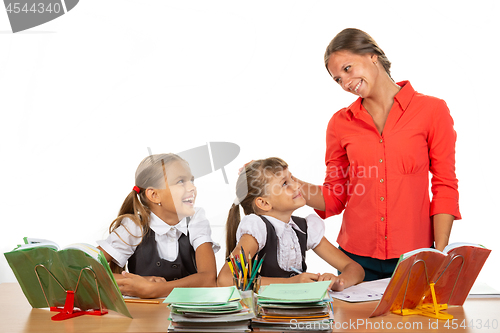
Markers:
(234, 264)
(242, 256)
(242, 253)
(230, 266)
(255, 272)
(255, 261)
(249, 265)
(245, 278)
(238, 264)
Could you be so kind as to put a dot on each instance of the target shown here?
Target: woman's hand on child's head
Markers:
(304, 278)
(337, 283)
(243, 167)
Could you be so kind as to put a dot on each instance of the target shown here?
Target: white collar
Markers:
(279, 226)
(160, 227)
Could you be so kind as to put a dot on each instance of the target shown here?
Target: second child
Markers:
(163, 238)
(269, 195)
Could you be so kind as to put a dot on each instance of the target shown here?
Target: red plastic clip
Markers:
(69, 309)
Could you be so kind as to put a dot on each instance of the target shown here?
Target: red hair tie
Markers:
(137, 189)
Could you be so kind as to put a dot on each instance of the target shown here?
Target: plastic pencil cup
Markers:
(248, 297)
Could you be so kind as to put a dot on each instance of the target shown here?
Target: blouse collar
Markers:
(403, 97)
(160, 227)
(280, 226)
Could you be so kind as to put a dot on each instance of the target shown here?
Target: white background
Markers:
(84, 96)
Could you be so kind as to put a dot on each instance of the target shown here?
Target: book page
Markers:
(30, 243)
(455, 278)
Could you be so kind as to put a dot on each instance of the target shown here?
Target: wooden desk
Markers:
(18, 316)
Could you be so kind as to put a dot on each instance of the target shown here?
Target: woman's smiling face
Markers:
(355, 73)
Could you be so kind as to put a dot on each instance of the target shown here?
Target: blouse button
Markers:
(380, 161)
(381, 198)
(382, 219)
(381, 140)
(292, 247)
(385, 237)
(382, 180)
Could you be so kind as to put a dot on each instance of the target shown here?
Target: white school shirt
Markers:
(288, 249)
(122, 242)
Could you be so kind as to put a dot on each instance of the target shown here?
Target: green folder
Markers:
(216, 295)
(45, 274)
(294, 292)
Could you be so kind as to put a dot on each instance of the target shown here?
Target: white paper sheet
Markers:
(363, 292)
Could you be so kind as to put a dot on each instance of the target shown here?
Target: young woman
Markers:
(379, 153)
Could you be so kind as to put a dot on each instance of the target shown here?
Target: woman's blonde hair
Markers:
(250, 185)
(136, 206)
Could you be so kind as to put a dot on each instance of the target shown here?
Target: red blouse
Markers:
(382, 181)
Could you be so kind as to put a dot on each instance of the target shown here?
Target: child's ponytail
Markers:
(233, 221)
(133, 209)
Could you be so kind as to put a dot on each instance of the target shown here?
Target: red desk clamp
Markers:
(69, 310)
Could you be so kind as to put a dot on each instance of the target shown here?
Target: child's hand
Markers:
(337, 283)
(135, 285)
(304, 278)
(155, 278)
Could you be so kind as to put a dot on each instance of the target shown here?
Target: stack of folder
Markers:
(294, 307)
(208, 310)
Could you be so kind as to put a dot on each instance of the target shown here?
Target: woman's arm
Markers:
(352, 272)
(135, 285)
(312, 194)
(330, 199)
(441, 145)
(442, 224)
(444, 204)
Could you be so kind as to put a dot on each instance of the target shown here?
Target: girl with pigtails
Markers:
(163, 238)
(269, 195)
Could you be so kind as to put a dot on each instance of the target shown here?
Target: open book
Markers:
(45, 271)
(452, 271)
(38, 242)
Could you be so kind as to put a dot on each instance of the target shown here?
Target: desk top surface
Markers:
(18, 316)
